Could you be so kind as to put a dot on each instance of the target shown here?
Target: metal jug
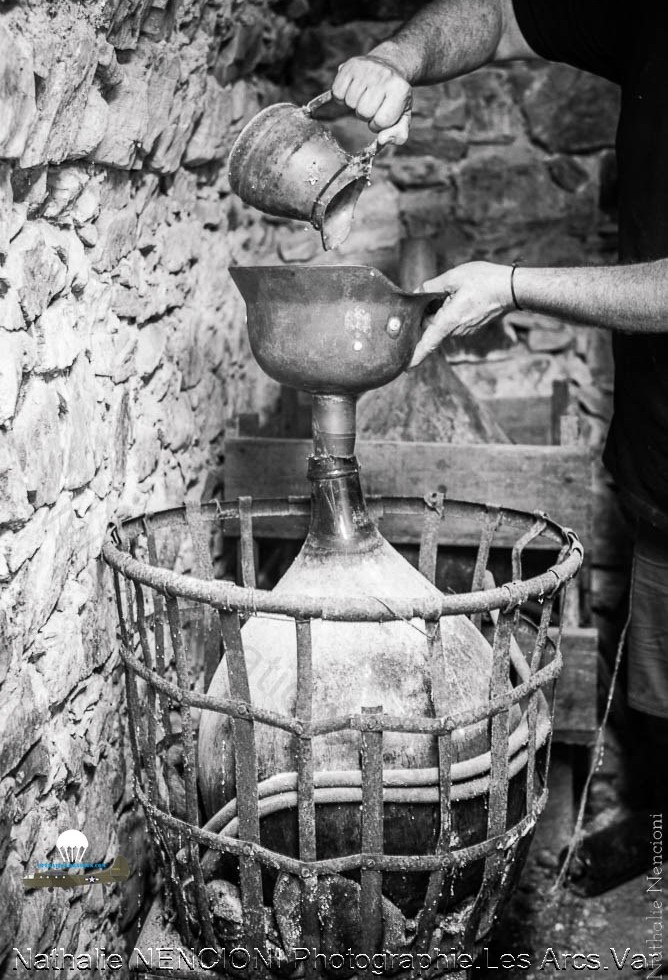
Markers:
(288, 164)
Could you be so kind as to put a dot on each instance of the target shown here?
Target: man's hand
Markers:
(378, 93)
(476, 293)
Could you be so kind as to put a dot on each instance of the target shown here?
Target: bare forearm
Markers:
(445, 39)
(630, 298)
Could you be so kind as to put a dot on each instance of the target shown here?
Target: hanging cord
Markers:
(599, 752)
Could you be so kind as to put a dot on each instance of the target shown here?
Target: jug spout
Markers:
(333, 213)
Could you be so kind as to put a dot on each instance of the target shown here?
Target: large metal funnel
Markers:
(330, 329)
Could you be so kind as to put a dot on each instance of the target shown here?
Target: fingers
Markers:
(376, 93)
(445, 283)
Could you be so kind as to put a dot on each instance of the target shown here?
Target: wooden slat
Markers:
(575, 714)
(550, 478)
(527, 421)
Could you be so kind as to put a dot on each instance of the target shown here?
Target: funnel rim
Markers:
(373, 273)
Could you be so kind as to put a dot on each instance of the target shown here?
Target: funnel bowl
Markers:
(330, 329)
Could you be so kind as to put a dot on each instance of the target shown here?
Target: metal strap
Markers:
(245, 764)
(427, 919)
(534, 532)
(151, 738)
(429, 540)
(304, 712)
(371, 879)
(247, 545)
(189, 768)
(492, 521)
(199, 532)
(158, 628)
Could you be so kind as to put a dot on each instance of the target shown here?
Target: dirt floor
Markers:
(558, 933)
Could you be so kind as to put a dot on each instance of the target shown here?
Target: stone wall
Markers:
(122, 355)
(122, 349)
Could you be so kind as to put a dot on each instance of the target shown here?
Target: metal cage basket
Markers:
(177, 620)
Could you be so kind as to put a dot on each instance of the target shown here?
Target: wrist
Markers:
(504, 288)
(400, 58)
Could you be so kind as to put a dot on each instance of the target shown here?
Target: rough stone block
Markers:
(87, 204)
(185, 111)
(18, 218)
(180, 245)
(242, 52)
(11, 884)
(11, 315)
(93, 126)
(35, 589)
(211, 139)
(445, 104)
(124, 364)
(127, 122)
(77, 394)
(297, 244)
(428, 139)
(163, 80)
(177, 427)
(116, 238)
(419, 172)
(126, 23)
(6, 209)
(64, 185)
(511, 189)
(570, 111)
(60, 656)
(194, 351)
(30, 188)
(491, 113)
(17, 94)
(37, 436)
(35, 269)
(20, 728)
(25, 542)
(425, 212)
(58, 341)
(12, 357)
(34, 765)
(63, 96)
(14, 506)
(145, 448)
(150, 349)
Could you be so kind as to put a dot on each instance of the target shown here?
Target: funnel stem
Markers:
(340, 521)
(334, 425)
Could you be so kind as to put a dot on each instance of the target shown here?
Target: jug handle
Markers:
(320, 100)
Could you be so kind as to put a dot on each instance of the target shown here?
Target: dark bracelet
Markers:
(512, 286)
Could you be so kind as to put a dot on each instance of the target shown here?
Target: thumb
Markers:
(397, 134)
(427, 343)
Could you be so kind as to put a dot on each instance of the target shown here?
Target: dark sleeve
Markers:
(584, 33)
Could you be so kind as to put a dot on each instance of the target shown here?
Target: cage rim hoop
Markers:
(228, 597)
